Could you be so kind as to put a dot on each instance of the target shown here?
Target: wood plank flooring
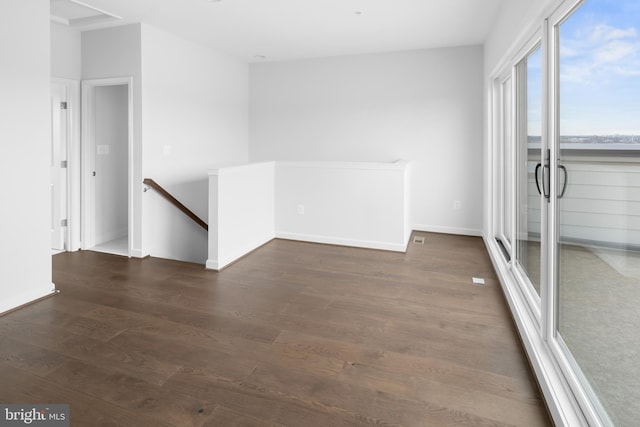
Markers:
(295, 334)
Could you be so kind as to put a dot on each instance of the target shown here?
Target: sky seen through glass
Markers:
(599, 73)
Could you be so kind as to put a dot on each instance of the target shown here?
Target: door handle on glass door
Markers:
(546, 184)
(564, 184)
(536, 174)
(546, 187)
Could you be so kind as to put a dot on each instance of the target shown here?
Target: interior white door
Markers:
(59, 134)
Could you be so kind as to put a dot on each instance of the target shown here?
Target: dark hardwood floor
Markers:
(295, 334)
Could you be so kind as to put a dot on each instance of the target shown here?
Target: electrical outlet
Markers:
(456, 205)
(300, 209)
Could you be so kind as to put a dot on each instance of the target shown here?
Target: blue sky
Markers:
(600, 69)
(534, 92)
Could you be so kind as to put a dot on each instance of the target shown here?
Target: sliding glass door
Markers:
(566, 211)
(597, 203)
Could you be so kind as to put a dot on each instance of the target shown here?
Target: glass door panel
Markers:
(504, 207)
(529, 168)
(598, 202)
(507, 163)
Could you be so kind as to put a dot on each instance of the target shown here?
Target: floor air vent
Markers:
(418, 240)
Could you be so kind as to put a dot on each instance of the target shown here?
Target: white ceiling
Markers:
(74, 13)
(295, 29)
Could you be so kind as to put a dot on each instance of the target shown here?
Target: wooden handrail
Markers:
(175, 202)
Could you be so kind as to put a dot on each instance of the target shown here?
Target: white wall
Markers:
(190, 114)
(66, 47)
(241, 211)
(112, 162)
(25, 255)
(424, 106)
(116, 52)
(352, 204)
(195, 117)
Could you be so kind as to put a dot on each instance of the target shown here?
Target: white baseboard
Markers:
(331, 240)
(407, 238)
(447, 230)
(219, 264)
(212, 264)
(138, 253)
(14, 303)
(222, 262)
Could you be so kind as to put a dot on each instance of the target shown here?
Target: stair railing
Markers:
(175, 202)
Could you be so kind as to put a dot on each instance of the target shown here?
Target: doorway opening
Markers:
(107, 165)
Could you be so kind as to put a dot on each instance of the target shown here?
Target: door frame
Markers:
(72, 233)
(88, 158)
